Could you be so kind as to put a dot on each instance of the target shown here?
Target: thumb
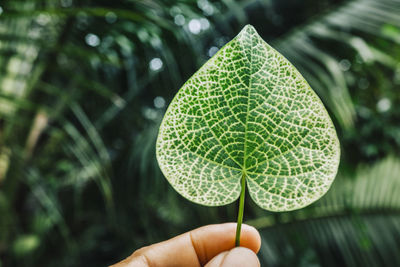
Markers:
(235, 257)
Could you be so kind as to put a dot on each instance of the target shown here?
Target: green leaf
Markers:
(248, 112)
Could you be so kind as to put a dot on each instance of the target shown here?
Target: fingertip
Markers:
(250, 238)
(239, 256)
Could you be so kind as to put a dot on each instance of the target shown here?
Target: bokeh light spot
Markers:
(159, 102)
(204, 23)
(383, 105)
(156, 64)
(111, 17)
(179, 20)
(212, 51)
(344, 64)
(194, 26)
(92, 39)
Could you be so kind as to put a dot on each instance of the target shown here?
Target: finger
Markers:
(197, 247)
(239, 256)
(210, 240)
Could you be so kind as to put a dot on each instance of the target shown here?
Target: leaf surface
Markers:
(249, 112)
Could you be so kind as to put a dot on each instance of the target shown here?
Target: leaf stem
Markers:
(241, 210)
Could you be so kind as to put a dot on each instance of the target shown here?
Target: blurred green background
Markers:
(84, 85)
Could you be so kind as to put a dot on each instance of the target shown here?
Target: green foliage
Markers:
(358, 216)
(248, 113)
(78, 123)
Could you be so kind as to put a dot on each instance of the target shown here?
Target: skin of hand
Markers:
(209, 246)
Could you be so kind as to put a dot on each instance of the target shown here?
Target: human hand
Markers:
(209, 246)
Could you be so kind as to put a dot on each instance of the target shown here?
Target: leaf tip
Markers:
(248, 29)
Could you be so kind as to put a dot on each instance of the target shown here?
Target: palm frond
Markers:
(352, 26)
(356, 223)
(365, 240)
(372, 189)
(90, 151)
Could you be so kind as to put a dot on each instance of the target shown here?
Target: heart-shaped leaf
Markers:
(248, 115)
